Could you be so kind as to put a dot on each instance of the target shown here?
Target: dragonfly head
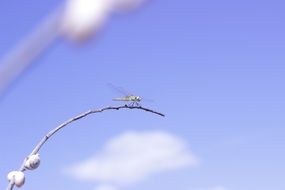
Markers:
(138, 99)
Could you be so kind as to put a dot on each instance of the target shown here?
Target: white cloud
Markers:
(134, 156)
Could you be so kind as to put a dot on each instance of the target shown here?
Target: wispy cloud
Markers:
(134, 156)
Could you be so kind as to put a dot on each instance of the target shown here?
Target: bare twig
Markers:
(71, 120)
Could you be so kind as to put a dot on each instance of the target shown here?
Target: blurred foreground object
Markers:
(78, 20)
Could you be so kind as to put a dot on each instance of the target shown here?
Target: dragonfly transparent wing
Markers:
(119, 89)
(147, 99)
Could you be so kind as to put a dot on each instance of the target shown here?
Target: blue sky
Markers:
(215, 68)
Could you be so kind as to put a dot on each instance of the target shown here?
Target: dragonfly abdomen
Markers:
(120, 99)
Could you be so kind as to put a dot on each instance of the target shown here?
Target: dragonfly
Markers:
(132, 99)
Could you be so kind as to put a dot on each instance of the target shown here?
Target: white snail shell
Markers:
(17, 177)
(32, 162)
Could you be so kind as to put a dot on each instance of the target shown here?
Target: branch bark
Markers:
(71, 120)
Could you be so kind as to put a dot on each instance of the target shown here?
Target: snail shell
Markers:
(17, 177)
(32, 162)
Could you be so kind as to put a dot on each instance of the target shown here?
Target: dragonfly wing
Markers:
(147, 99)
(119, 89)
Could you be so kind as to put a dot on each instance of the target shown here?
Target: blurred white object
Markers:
(78, 20)
(82, 18)
(17, 177)
(20, 58)
(33, 162)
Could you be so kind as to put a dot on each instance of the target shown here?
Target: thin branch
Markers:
(71, 120)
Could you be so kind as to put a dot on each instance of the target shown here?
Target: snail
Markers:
(32, 162)
(17, 177)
